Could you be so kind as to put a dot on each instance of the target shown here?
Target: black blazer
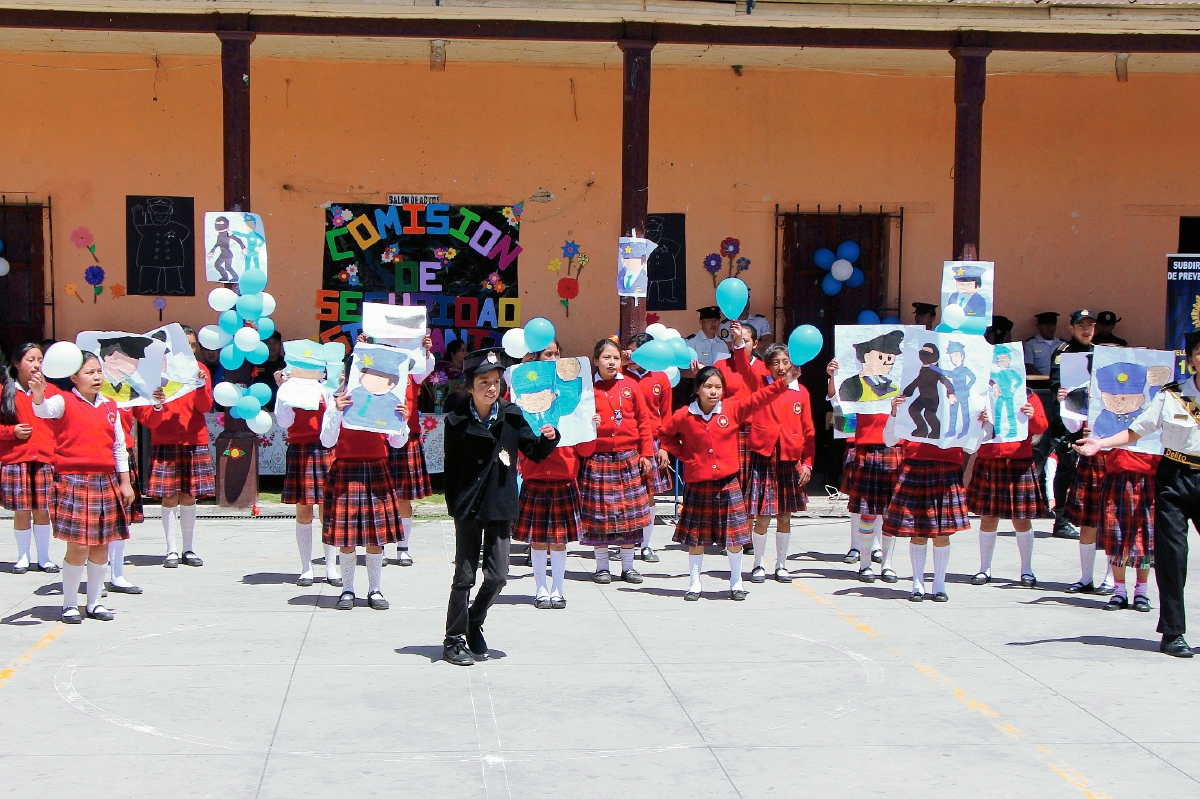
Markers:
(479, 484)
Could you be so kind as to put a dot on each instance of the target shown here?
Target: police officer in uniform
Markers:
(707, 340)
(1039, 349)
(925, 314)
(1175, 410)
(1105, 323)
(1083, 328)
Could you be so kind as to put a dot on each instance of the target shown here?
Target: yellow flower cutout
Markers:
(582, 259)
(555, 265)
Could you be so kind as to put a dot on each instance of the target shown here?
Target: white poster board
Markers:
(1006, 386)
(870, 362)
(234, 241)
(180, 367)
(133, 364)
(945, 385)
(376, 386)
(557, 393)
(970, 285)
(1075, 375)
(1124, 381)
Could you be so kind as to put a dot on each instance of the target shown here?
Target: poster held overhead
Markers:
(632, 278)
(870, 362)
(968, 287)
(377, 383)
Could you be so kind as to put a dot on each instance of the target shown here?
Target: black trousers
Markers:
(471, 537)
(1177, 501)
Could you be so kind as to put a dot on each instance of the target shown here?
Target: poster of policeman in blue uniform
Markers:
(1124, 381)
(970, 286)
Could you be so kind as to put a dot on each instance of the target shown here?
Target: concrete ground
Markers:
(230, 681)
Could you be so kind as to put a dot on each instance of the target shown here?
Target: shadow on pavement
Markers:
(145, 560)
(269, 578)
(1076, 601)
(35, 615)
(1139, 644)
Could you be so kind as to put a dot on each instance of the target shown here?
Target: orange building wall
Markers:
(1078, 171)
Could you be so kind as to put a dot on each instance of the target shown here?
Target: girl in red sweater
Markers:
(409, 472)
(704, 437)
(928, 503)
(181, 467)
(782, 446)
(614, 502)
(656, 391)
(26, 460)
(1126, 528)
(1005, 485)
(737, 387)
(91, 484)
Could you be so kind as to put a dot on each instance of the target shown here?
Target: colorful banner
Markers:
(1183, 305)
(459, 262)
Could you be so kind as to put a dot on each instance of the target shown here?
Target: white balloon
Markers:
(226, 393)
(656, 331)
(246, 339)
(260, 424)
(212, 337)
(841, 269)
(62, 359)
(268, 304)
(673, 375)
(222, 299)
(671, 333)
(954, 316)
(514, 343)
(4, 267)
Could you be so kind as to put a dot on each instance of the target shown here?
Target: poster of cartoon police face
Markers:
(403, 327)
(132, 364)
(1124, 382)
(556, 393)
(632, 256)
(180, 369)
(1006, 389)
(234, 241)
(967, 294)
(945, 386)
(1075, 375)
(376, 385)
(870, 361)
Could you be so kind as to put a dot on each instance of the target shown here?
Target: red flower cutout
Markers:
(651, 318)
(568, 288)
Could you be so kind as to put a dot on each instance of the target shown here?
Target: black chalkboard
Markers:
(160, 245)
(667, 268)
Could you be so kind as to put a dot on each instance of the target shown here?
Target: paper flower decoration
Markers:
(582, 260)
(570, 249)
(513, 214)
(712, 262)
(438, 378)
(555, 265)
(117, 290)
(390, 253)
(340, 216)
(94, 276)
(82, 238)
(428, 422)
(494, 283)
(445, 254)
(651, 318)
(743, 264)
(343, 276)
(730, 247)
(160, 305)
(71, 288)
(568, 289)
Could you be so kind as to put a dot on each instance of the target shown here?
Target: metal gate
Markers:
(27, 291)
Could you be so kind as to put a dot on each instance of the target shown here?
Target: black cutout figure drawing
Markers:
(224, 262)
(924, 409)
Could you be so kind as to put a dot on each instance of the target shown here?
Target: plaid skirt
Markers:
(713, 513)
(135, 511)
(548, 513)
(1083, 496)
(360, 505)
(928, 501)
(869, 478)
(305, 471)
(744, 455)
(1007, 488)
(774, 486)
(613, 502)
(87, 509)
(181, 468)
(1126, 528)
(660, 481)
(409, 473)
(27, 486)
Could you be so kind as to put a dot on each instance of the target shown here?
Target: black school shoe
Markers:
(1141, 604)
(603, 577)
(851, 557)
(457, 653)
(1081, 588)
(1118, 602)
(100, 613)
(1173, 645)
(190, 558)
(631, 576)
(475, 643)
(345, 601)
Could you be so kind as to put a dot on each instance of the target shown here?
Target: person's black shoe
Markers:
(345, 601)
(457, 653)
(336, 582)
(190, 558)
(542, 602)
(100, 613)
(941, 596)
(982, 578)
(116, 588)
(783, 575)
(1063, 528)
(71, 616)
(649, 555)
(475, 643)
(1117, 603)
(1105, 590)
(851, 557)
(48, 568)
(557, 602)
(1141, 604)
(171, 561)
(1081, 588)
(631, 576)
(889, 576)
(877, 556)
(602, 576)
(758, 575)
(916, 597)
(19, 569)
(738, 596)
(304, 582)
(866, 575)
(375, 601)
(692, 596)
(1029, 581)
(1172, 645)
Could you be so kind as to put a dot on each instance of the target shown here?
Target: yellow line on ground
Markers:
(31, 653)
(1072, 777)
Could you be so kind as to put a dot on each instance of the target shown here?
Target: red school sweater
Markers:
(656, 391)
(39, 446)
(306, 425)
(1019, 450)
(360, 445)
(868, 429)
(635, 433)
(563, 464)
(181, 421)
(914, 451)
(1124, 460)
(786, 422)
(84, 436)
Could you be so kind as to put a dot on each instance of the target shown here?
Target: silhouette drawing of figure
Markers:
(224, 260)
(662, 263)
(254, 242)
(1004, 383)
(161, 254)
(923, 410)
(962, 379)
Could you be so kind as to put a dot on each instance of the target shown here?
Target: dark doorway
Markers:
(803, 302)
(23, 296)
(1189, 235)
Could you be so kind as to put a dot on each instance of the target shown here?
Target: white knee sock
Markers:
(916, 554)
(538, 556)
(1025, 547)
(71, 575)
(168, 523)
(1087, 563)
(941, 559)
(95, 578)
(781, 549)
(760, 548)
(406, 528)
(24, 538)
(1107, 572)
(116, 560)
(348, 561)
(304, 545)
(374, 571)
(877, 538)
(987, 547)
(331, 561)
(187, 523)
(626, 561)
(601, 558)
(647, 531)
(855, 524)
(695, 563)
(735, 570)
(889, 545)
(862, 543)
(41, 537)
(558, 570)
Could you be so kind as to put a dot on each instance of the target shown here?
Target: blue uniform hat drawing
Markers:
(954, 347)
(1121, 378)
(374, 402)
(965, 273)
(1116, 382)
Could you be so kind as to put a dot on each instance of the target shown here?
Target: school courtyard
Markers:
(230, 681)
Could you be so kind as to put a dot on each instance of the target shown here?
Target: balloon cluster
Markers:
(840, 266)
(869, 317)
(537, 335)
(246, 403)
(244, 323)
(667, 351)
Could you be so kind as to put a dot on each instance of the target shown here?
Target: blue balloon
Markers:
(260, 391)
(868, 317)
(250, 306)
(891, 320)
(848, 250)
(252, 281)
(824, 258)
(259, 354)
(974, 325)
(232, 357)
(249, 406)
(679, 352)
(539, 334)
(856, 278)
(230, 321)
(831, 286)
(266, 326)
(233, 411)
(804, 344)
(654, 356)
(943, 328)
(732, 296)
(692, 356)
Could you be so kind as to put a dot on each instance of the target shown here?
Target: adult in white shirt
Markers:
(1039, 349)
(707, 340)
